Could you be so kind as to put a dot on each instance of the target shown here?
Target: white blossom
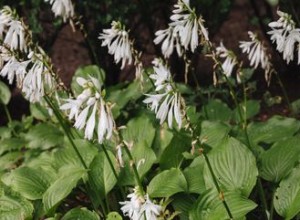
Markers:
(62, 8)
(118, 43)
(5, 19)
(90, 110)
(140, 207)
(15, 36)
(230, 59)
(166, 103)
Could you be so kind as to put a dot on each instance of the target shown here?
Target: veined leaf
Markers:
(287, 196)
(11, 144)
(80, 213)
(68, 178)
(277, 162)
(5, 93)
(167, 183)
(29, 182)
(210, 207)
(217, 110)
(234, 166)
(249, 110)
(102, 174)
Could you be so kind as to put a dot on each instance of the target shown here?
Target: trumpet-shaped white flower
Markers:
(230, 59)
(15, 36)
(167, 102)
(118, 43)
(90, 110)
(257, 54)
(140, 207)
(5, 19)
(285, 35)
(62, 8)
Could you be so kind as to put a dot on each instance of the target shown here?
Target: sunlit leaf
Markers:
(80, 213)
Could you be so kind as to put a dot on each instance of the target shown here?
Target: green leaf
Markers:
(183, 203)
(11, 144)
(210, 207)
(273, 2)
(167, 183)
(194, 176)
(172, 155)
(29, 182)
(277, 162)
(61, 188)
(14, 206)
(113, 216)
(212, 133)
(217, 110)
(163, 137)
(85, 71)
(39, 112)
(139, 130)
(80, 214)
(5, 94)
(234, 167)
(44, 136)
(273, 130)
(249, 110)
(287, 196)
(8, 160)
(102, 174)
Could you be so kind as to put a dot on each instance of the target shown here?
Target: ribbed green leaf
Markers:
(210, 207)
(102, 174)
(68, 178)
(277, 162)
(217, 110)
(183, 203)
(212, 133)
(5, 93)
(275, 129)
(44, 136)
(80, 214)
(234, 167)
(167, 183)
(8, 160)
(113, 216)
(29, 182)
(249, 110)
(287, 196)
(11, 144)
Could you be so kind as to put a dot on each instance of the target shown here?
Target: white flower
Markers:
(230, 59)
(5, 19)
(161, 76)
(15, 36)
(118, 43)
(62, 8)
(289, 47)
(90, 110)
(140, 207)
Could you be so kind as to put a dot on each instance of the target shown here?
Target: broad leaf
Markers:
(39, 112)
(44, 136)
(233, 165)
(11, 144)
(5, 94)
(68, 178)
(183, 203)
(287, 196)
(113, 216)
(217, 110)
(29, 182)
(101, 173)
(167, 183)
(249, 110)
(277, 162)
(275, 129)
(80, 213)
(210, 207)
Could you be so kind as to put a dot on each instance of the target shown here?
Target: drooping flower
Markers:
(230, 59)
(62, 8)
(15, 36)
(90, 111)
(140, 207)
(5, 19)
(118, 43)
(257, 54)
(285, 35)
(166, 103)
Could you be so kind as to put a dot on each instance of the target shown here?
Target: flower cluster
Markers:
(183, 30)
(118, 43)
(166, 102)
(62, 8)
(31, 75)
(257, 54)
(140, 207)
(90, 110)
(286, 36)
(230, 59)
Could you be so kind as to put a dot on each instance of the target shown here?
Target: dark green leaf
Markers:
(5, 94)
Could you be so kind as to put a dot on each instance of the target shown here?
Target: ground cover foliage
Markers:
(153, 147)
